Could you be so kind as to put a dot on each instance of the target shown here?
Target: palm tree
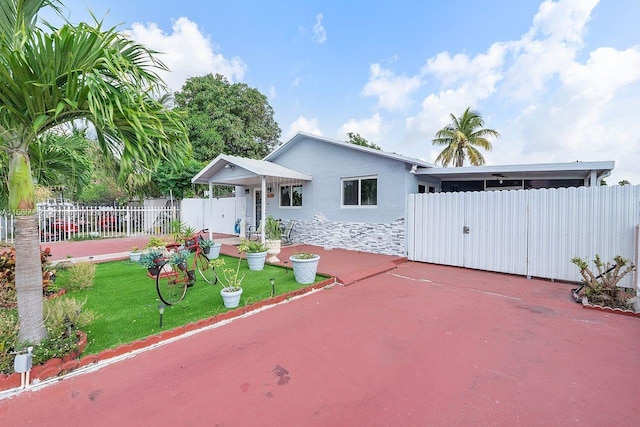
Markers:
(461, 138)
(53, 76)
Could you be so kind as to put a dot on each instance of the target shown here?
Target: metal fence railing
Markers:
(81, 222)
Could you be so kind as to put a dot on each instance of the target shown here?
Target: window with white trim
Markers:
(290, 196)
(362, 191)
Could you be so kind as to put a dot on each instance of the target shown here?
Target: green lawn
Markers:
(126, 301)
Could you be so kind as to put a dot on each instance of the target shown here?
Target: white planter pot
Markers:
(273, 249)
(256, 260)
(305, 269)
(231, 299)
(135, 256)
(214, 251)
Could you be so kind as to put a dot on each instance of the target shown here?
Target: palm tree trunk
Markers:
(28, 265)
(29, 280)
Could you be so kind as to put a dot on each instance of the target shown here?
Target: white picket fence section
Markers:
(534, 233)
(67, 222)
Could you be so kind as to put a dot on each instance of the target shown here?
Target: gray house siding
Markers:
(322, 220)
(329, 164)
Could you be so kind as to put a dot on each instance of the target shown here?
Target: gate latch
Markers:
(465, 229)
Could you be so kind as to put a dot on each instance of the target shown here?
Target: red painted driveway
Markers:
(419, 345)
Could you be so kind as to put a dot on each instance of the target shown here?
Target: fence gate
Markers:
(525, 232)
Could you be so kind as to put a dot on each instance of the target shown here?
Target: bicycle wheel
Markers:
(171, 283)
(205, 270)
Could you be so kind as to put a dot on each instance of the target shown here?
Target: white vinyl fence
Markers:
(534, 233)
(67, 222)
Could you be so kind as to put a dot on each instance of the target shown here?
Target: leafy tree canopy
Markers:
(225, 118)
(355, 138)
(461, 137)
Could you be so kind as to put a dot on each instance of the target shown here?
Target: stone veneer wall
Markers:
(388, 239)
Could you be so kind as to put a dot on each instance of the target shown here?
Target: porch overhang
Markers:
(233, 170)
(589, 171)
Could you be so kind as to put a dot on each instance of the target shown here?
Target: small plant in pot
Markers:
(255, 252)
(210, 248)
(305, 267)
(152, 258)
(273, 236)
(231, 282)
(134, 254)
(179, 258)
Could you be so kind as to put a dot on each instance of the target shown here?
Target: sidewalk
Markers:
(419, 345)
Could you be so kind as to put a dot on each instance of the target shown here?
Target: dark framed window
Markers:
(360, 191)
(290, 196)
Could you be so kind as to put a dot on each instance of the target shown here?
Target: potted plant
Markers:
(179, 258)
(134, 254)
(148, 260)
(255, 252)
(305, 267)
(231, 282)
(210, 248)
(157, 254)
(273, 236)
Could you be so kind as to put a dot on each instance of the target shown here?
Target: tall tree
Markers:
(355, 138)
(57, 160)
(51, 76)
(225, 118)
(461, 137)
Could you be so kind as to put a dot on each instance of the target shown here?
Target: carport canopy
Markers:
(241, 171)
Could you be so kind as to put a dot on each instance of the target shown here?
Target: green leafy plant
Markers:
(64, 315)
(232, 280)
(206, 243)
(304, 255)
(601, 285)
(272, 229)
(8, 338)
(249, 246)
(155, 242)
(177, 228)
(178, 257)
(81, 275)
(8, 275)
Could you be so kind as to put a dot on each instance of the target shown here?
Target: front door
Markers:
(257, 203)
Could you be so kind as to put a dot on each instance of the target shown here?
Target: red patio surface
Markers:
(417, 345)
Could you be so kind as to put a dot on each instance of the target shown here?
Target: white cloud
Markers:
(320, 34)
(550, 98)
(272, 92)
(302, 124)
(186, 52)
(393, 91)
(372, 129)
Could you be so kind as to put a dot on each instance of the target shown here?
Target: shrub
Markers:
(8, 339)
(601, 285)
(81, 276)
(155, 242)
(8, 275)
(62, 315)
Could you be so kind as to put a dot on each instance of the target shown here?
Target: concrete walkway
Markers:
(418, 345)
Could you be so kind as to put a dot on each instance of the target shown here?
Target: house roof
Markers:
(302, 135)
(232, 170)
(573, 170)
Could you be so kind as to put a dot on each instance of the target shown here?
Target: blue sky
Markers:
(559, 79)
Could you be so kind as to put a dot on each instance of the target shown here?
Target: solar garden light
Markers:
(161, 307)
(273, 286)
(22, 363)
